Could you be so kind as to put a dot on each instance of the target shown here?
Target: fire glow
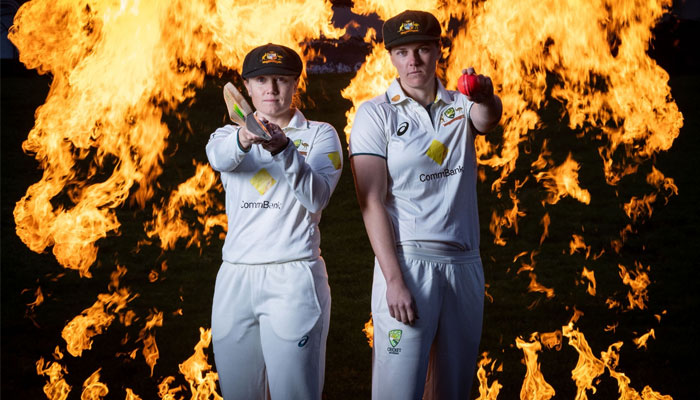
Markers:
(119, 66)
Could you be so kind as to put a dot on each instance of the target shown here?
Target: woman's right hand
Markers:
(400, 302)
(247, 139)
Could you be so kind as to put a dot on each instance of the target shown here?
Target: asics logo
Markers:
(402, 129)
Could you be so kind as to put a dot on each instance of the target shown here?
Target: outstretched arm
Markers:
(486, 112)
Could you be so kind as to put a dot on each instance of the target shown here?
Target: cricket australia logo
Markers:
(394, 339)
(449, 115)
(408, 26)
(271, 57)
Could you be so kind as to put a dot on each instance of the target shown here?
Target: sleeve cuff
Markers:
(239, 142)
(282, 149)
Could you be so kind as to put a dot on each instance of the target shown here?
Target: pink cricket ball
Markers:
(468, 84)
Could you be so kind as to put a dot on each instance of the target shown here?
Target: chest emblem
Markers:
(402, 129)
(301, 146)
(437, 152)
(451, 115)
(262, 181)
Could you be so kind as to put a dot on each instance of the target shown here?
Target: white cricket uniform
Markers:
(271, 306)
(432, 204)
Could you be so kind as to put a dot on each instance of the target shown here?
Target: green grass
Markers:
(665, 242)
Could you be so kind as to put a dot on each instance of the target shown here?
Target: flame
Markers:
(588, 367)
(93, 321)
(587, 371)
(130, 395)
(659, 181)
(57, 354)
(611, 358)
(590, 275)
(577, 243)
(538, 287)
(101, 140)
(534, 384)
(100, 134)
(164, 390)
(551, 340)
(642, 340)
(486, 391)
(38, 300)
(93, 389)
(545, 225)
(638, 281)
(508, 220)
(640, 208)
(562, 181)
(369, 331)
(56, 388)
(199, 193)
(198, 372)
(148, 337)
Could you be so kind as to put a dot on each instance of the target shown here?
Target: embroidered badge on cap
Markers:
(408, 26)
(271, 57)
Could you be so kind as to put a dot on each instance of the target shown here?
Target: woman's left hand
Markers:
(278, 141)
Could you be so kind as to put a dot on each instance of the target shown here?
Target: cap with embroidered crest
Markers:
(410, 26)
(271, 59)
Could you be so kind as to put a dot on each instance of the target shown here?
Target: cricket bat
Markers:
(241, 113)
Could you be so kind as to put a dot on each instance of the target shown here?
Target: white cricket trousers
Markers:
(436, 357)
(269, 330)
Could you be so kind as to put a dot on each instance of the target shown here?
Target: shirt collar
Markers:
(396, 95)
(297, 122)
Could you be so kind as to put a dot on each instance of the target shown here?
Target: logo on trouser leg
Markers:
(394, 339)
(303, 341)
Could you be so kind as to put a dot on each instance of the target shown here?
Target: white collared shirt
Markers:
(274, 203)
(431, 164)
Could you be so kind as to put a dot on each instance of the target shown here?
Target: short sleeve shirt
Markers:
(431, 164)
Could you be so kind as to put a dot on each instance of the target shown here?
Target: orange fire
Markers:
(590, 276)
(93, 389)
(369, 331)
(642, 340)
(486, 391)
(148, 337)
(197, 193)
(56, 388)
(637, 281)
(93, 321)
(197, 370)
(119, 67)
(534, 385)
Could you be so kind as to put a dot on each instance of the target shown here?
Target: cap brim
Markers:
(271, 70)
(411, 39)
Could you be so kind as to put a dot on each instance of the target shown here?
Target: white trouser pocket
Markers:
(289, 297)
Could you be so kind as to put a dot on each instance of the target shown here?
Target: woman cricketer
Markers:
(271, 306)
(414, 164)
